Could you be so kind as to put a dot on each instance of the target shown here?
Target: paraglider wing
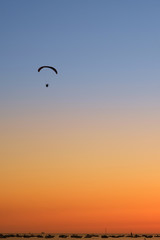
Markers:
(39, 69)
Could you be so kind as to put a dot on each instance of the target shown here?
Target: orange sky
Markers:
(79, 174)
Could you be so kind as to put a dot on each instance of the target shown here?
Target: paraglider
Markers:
(55, 70)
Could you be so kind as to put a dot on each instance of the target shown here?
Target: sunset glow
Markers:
(83, 155)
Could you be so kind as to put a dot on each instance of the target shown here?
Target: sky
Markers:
(83, 154)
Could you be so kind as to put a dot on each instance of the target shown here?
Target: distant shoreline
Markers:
(77, 235)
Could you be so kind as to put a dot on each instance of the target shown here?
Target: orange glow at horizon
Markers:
(82, 178)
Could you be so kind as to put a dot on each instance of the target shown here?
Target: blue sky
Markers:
(106, 52)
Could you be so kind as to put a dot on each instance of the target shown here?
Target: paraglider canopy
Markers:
(39, 69)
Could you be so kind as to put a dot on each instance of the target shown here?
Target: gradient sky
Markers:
(82, 155)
